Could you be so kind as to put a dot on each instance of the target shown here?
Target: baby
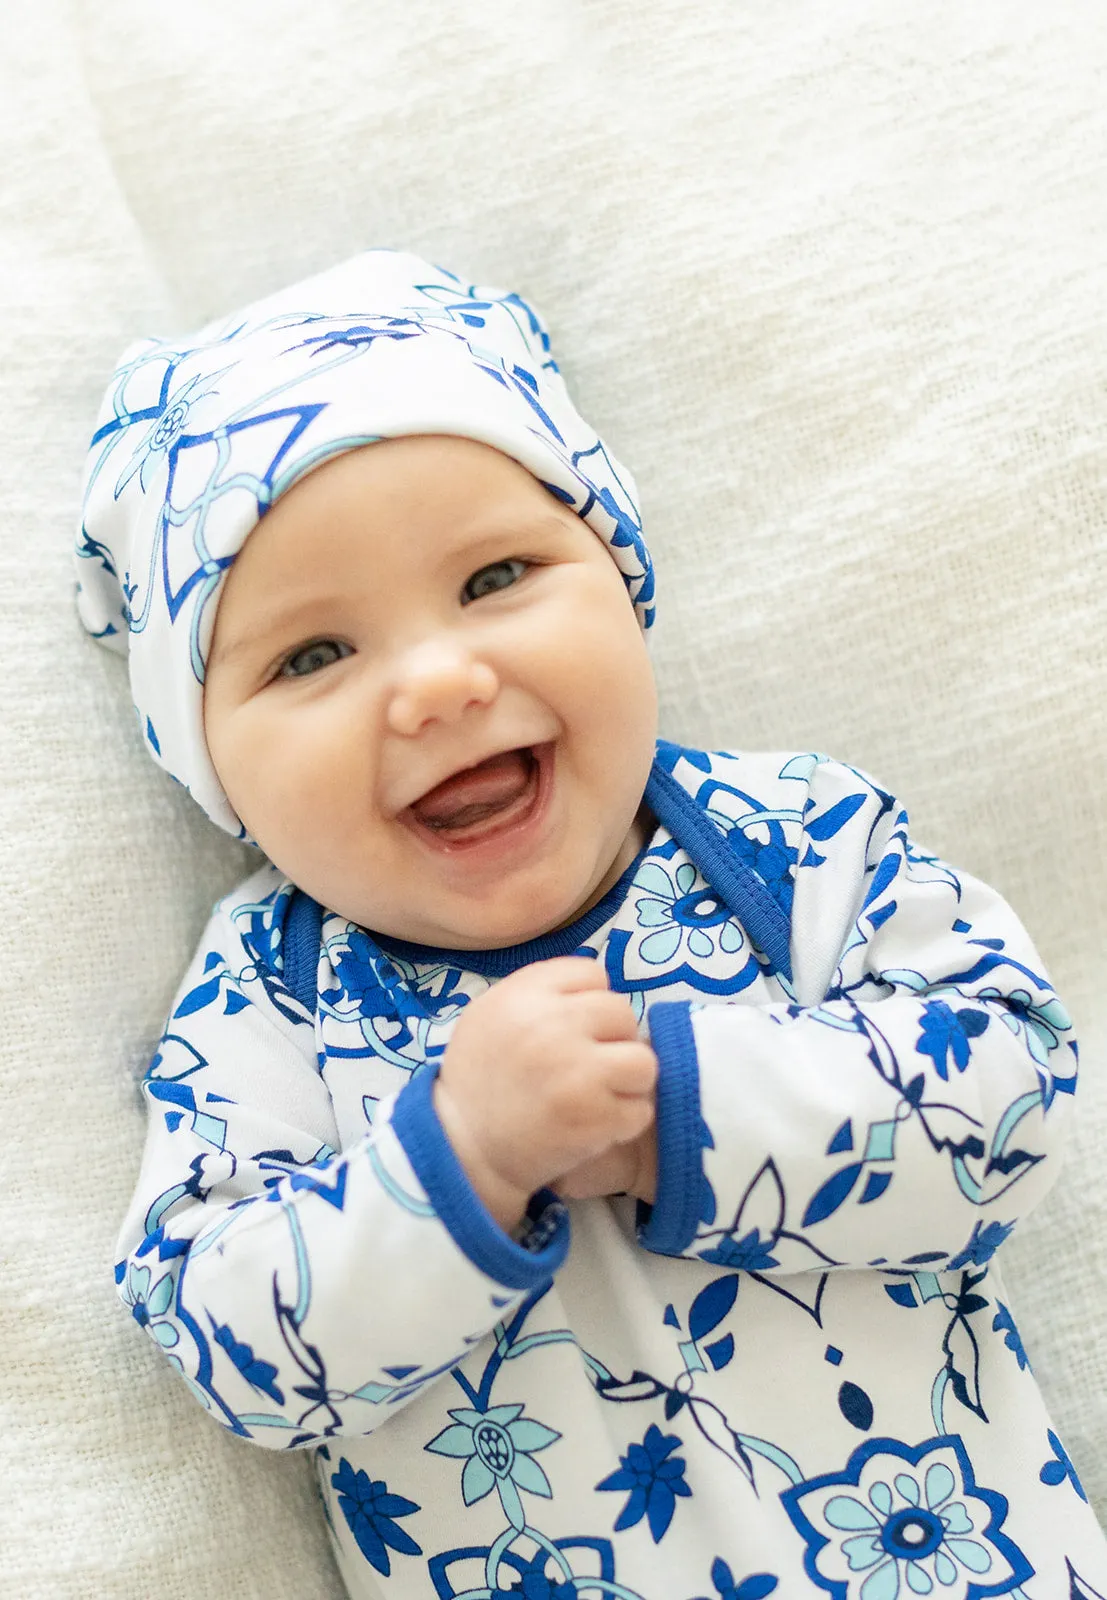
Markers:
(593, 1149)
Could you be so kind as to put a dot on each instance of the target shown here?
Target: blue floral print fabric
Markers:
(797, 1374)
(198, 437)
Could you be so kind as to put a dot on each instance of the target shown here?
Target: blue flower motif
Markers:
(1005, 1323)
(901, 1520)
(149, 1305)
(751, 1253)
(261, 1374)
(498, 1447)
(772, 860)
(370, 1513)
(380, 985)
(358, 967)
(535, 1584)
(152, 451)
(754, 1587)
(946, 1032)
(671, 904)
(1060, 1468)
(982, 1246)
(654, 1477)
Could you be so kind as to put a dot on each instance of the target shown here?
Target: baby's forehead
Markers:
(455, 492)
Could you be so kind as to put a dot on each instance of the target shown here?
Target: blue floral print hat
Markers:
(197, 438)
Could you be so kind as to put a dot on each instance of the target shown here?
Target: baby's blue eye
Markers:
(499, 575)
(313, 657)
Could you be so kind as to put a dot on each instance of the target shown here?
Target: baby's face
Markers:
(428, 697)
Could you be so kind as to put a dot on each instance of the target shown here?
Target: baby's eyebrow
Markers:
(512, 528)
(277, 624)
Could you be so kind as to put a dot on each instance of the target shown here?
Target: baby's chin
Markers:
(495, 932)
(500, 921)
(484, 925)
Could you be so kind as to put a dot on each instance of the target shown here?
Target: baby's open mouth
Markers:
(473, 802)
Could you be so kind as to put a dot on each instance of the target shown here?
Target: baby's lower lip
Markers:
(479, 826)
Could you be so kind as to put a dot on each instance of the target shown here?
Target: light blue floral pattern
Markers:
(498, 1448)
(149, 1302)
(901, 1521)
(683, 913)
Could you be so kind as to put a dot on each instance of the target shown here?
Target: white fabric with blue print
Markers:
(796, 1374)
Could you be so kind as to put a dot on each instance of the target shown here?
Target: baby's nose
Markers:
(438, 682)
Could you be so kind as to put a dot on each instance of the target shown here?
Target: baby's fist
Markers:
(543, 1072)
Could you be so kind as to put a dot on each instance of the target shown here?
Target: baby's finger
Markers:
(569, 974)
(630, 1117)
(630, 1070)
(605, 1016)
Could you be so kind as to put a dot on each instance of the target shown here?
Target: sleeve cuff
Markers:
(669, 1226)
(516, 1265)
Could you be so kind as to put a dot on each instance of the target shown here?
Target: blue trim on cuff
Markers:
(471, 1225)
(670, 1226)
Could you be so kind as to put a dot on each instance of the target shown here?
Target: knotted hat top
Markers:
(198, 437)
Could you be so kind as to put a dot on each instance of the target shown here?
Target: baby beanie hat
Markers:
(197, 438)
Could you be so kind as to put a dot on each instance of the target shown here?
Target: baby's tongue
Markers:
(476, 793)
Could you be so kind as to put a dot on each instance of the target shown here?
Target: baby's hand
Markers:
(543, 1073)
(624, 1169)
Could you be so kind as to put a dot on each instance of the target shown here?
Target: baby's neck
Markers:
(632, 846)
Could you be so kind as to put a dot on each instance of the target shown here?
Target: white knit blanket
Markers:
(830, 276)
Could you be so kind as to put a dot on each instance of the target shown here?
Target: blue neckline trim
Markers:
(499, 963)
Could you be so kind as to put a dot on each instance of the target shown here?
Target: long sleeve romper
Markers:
(797, 1373)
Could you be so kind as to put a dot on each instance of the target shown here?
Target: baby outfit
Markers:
(796, 1373)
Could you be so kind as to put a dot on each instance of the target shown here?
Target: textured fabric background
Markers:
(831, 277)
